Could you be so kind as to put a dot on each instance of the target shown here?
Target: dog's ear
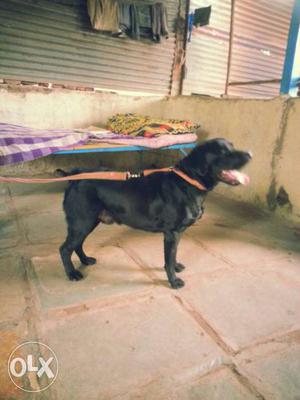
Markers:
(196, 162)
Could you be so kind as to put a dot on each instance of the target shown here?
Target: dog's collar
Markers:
(188, 179)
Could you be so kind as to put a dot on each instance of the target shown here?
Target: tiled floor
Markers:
(233, 331)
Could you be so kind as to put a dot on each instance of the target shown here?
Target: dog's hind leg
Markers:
(179, 267)
(171, 240)
(83, 257)
(74, 241)
(81, 254)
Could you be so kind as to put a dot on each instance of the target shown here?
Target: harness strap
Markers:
(121, 176)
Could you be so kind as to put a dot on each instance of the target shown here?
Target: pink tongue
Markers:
(237, 176)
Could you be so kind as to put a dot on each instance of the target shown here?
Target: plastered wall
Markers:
(61, 108)
(269, 128)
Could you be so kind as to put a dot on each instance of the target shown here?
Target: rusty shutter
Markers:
(259, 43)
(206, 54)
(52, 41)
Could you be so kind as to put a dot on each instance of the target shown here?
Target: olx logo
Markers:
(33, 366)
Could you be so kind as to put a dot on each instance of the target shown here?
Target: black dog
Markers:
(161, 202)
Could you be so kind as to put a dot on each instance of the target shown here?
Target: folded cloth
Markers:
(18, 143)
(139, 125)
(98, 135)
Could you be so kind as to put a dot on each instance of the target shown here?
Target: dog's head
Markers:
(216, 161)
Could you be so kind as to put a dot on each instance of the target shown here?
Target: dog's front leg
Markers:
(171, 240)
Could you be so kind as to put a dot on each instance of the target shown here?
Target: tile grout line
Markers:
(30, 308)
(31, 314)
(216, 255)
(245, 382)
(197, 317)
(283, 338)
(136, 258)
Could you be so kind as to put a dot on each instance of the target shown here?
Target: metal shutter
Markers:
(259, 43)
(207, 53)
(52, 41)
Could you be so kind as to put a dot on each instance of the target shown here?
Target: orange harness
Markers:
(116, 176)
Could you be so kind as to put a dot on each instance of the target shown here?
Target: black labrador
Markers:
(160, 202)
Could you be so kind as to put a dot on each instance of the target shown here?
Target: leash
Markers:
(108, 175)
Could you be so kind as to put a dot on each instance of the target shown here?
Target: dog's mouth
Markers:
(233, 177)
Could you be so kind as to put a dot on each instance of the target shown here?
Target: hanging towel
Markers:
(104, 14)
(202, 16)
(159, 21)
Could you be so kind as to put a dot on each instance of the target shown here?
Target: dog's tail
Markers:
(61, 172)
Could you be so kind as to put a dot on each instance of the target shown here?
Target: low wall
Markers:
(43, 108)
(269, 128)
(62, 108)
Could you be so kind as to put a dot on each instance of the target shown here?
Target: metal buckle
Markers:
(134, 175)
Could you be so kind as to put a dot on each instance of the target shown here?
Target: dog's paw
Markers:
(177, 283)
(89, 261)
(75, 275)
(179, 267)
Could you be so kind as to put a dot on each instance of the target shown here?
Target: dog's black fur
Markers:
(161, 202)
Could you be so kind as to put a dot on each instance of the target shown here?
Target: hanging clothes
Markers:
(159, 19)
(144, 20)
(202, 16)
(132, 18)
(104, 14)
(198, 17)
(135, 22)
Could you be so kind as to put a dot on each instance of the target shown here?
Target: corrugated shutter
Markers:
(52, 41)
(259, 43)
(207, 53)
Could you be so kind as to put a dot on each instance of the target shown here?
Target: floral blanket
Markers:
(139, 125)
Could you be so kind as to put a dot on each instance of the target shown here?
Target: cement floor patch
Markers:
(32, 189)
(10, 338)
(218, 385)
(8, 226)
(39, 203)
(51, 227)
(148, 249)
(277, 376)
(45, 227)
(115, 273)
(244, 308)
(12, 289)
(107, 235)
(9, 235)
(240, 248)
(114, 350)
(4, 200)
